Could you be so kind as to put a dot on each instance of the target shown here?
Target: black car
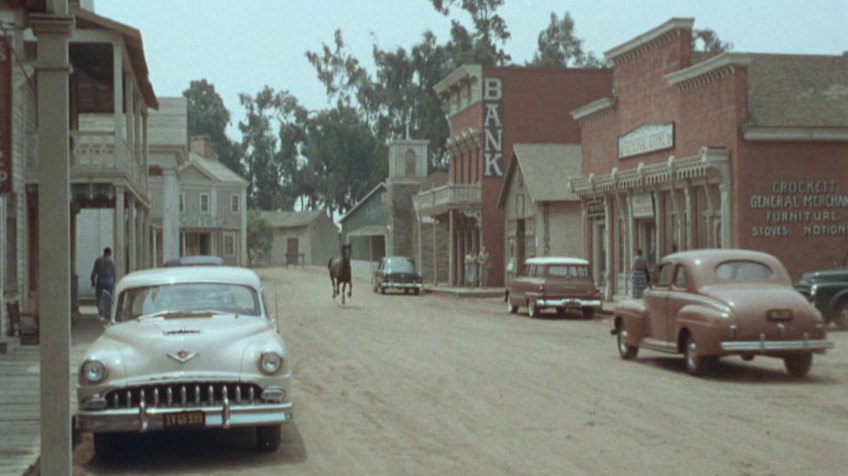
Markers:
(828, 291)
(397, 272)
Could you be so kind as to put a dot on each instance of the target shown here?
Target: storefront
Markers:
(737, 150)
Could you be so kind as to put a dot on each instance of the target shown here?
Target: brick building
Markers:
(736, 150)
(490, 109)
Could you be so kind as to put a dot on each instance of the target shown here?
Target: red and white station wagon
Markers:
(554, 282)
(706, 304)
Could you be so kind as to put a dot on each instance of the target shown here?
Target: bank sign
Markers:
(5, 117)
(493, 165)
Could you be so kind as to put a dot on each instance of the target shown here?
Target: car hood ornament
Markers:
(182, 356)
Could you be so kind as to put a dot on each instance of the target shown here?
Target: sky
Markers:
(241, 46)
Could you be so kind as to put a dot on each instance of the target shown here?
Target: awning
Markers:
(372, 230)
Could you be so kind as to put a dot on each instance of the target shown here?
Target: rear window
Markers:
(568, 271)
(744, 271)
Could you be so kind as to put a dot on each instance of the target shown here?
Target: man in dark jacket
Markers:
(103, 277)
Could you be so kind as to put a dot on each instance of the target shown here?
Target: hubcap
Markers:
(692, 355)
(622, 341)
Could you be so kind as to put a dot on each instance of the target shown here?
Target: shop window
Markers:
(204, 203)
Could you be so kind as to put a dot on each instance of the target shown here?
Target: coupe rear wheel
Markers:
(532, 310)
(798, 365)
(625, 350)
(696, 364)
(268, 437)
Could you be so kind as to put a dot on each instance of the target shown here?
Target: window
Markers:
(680, 281)
(229, 245)
(180, 300)
(204, 203)
(235, 205)
(744, 271)
(570, 271)
(665, 274)
(182, 202)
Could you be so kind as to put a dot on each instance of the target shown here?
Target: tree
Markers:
(208, 116)
(559, 47)
(260, 234)
(490, 29)
(707, 41)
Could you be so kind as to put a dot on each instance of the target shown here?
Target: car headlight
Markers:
(813, 289)
(92, 371)
(270, 363)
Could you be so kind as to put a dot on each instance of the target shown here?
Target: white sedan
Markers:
(186, 348)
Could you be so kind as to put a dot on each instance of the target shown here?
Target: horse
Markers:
(340, 273)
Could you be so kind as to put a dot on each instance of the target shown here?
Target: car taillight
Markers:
(541, 289)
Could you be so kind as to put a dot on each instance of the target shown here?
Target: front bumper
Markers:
(387, 284)
(762, 346)
(569, 302)
(142, 419)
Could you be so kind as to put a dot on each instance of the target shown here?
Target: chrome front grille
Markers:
(189, 394)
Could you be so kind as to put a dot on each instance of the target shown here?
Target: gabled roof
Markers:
(290, 219)
(214, 170)
(135, 48)
(379, 186)
(546, 169)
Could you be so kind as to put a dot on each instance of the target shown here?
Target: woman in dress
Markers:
(639, 274)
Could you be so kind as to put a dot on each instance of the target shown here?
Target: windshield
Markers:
(743, 271)
(398, 265)
(569, 271)
(186, 300)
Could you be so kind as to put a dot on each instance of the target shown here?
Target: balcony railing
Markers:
(95, 153)
(201, 221)
(452, 196)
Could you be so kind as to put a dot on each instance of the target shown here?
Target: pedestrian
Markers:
(638, 274)
(103, 279)
(483, 263)
(470, 268)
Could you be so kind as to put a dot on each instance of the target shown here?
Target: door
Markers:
(656, 298)
(292, 251)
(678, 296)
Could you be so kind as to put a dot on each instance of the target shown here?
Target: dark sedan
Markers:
(397, 272)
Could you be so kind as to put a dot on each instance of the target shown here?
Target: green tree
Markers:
(490, 30)
(260, 235)
(558, 46)
(208, 116)
(707, 41)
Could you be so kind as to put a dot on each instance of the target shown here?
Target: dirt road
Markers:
(394, 384)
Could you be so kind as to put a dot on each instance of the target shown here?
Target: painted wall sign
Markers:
(5, 116)
(646, 138)
(642, 205)
(595, 208)
(493, 127)
(808, 208)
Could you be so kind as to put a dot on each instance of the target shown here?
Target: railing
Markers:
(201, 221)
(441, 199)
(95, 152)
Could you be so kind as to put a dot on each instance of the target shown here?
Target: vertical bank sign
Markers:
(493, 127)
(5, 116)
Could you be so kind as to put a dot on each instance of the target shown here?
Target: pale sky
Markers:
(242, 46)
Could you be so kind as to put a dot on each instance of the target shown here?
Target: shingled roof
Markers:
(546, 169)
(289, 219)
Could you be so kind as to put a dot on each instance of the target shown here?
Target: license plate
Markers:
(184, 420)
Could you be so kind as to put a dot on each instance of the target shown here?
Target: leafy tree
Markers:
(490, 30)
(260, 235)
(207, 115)
(707, 41)
(558, 46)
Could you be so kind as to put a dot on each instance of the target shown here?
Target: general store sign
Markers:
(5, 117)
(644, 139)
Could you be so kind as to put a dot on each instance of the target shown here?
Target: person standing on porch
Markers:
(103, 276)
(470, 268)
(483, 263)
(638, 274)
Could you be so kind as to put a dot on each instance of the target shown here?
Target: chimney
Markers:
(202, 145)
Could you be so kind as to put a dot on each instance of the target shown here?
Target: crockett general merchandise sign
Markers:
(5, 117)
(644, 139)
(493, 127)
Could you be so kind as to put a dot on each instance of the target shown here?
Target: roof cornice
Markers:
(708, 71)
(649, 40)
(465, 73)
(595, 110)
(814, 134)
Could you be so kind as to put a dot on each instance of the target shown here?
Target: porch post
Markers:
(52, 31)
(119, 250)
(132, 249)
(725, 214)
(145, 238)
(451, 251)
(118, 92)
(689, 219)
(612, 275)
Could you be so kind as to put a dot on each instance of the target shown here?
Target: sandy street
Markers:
(405, 385)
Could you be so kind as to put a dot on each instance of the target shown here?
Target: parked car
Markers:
(706, 304)
(828, 291)
(554, 282)
(397, 272)
(186, 348)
